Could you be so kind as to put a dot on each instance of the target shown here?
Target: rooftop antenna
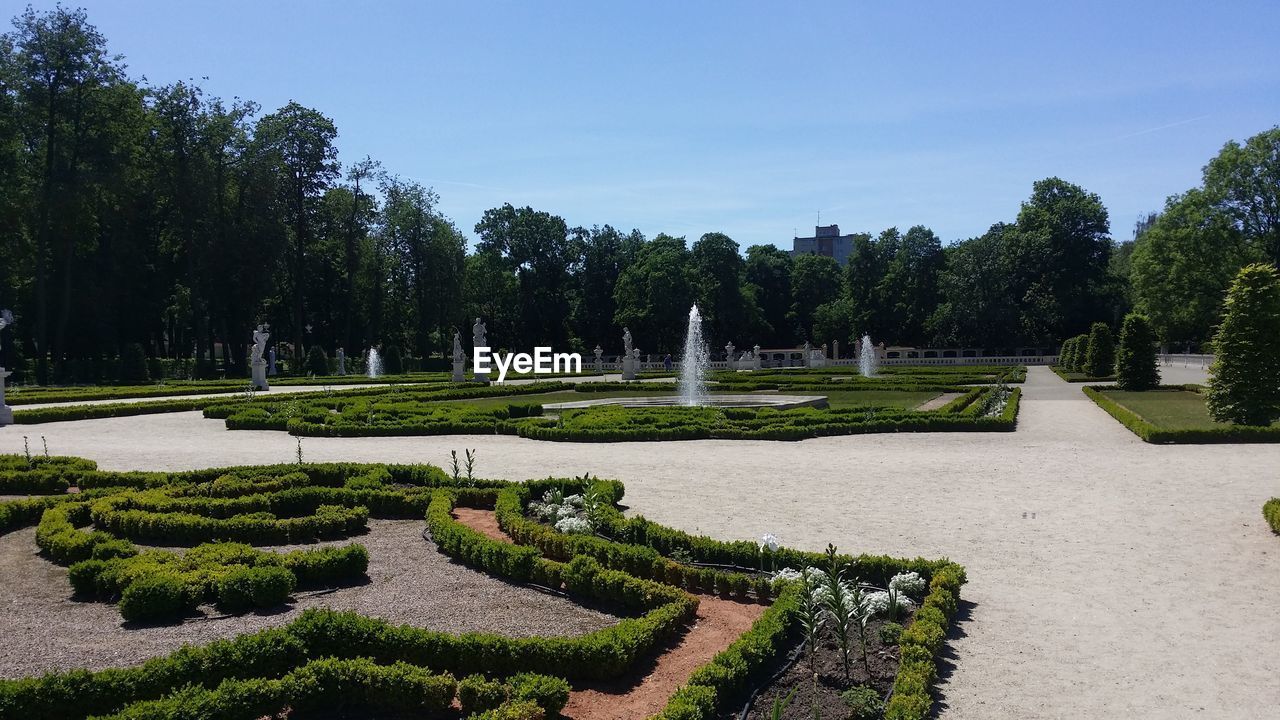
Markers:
(819, 218)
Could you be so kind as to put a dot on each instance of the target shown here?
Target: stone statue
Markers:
(599, 359)
(459, 359)
(258, 366)
(342, 362)
(478, 337)
(6, 413)
(626, 341)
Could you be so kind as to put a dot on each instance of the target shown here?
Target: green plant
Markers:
(471, 466)
(476, 694)
(864, 703)
(255, 587)
(890, 633)
(1244, 379)
(156, 597)
(317, 361)
(780, 705)
(1271, 512)
(1136, 368)
(550, 693)
(133, 364)
(1100, 355)
(392, 361)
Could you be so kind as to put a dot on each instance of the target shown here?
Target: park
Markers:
(280, 439)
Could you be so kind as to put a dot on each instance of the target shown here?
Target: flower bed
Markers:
(344, 661)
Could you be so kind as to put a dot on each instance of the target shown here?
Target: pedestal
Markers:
(260, 375)
(6, 412)
(459, 375)
(628, 368)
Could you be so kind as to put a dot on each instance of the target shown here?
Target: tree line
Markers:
(164, 217)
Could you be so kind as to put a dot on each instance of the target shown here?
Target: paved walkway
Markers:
(1108, 578)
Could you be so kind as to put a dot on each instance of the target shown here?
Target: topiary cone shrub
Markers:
(317, 361)
(133, 364)
(1100, 357)
(1136, 357)
(1244, 380)
(392, 362)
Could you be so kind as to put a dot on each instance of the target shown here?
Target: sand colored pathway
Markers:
(1108, 577)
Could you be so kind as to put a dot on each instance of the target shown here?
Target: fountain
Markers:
(868, 363)
(373, 367)
(693, 364)
(692, 386)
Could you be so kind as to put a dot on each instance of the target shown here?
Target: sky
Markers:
(748, 118)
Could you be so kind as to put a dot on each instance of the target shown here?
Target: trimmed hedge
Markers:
(1154, 434)
(1271, 511)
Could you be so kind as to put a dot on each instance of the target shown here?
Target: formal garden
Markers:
(847, 636)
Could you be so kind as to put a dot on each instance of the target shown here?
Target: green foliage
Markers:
(1244, 380)
(133, 364)
(1271, 512)
(392, 360)
(864, 703)
(255, 587)
(317, 361)
(549, 693)
(1100, 355)
(477, 694)
(1159, 434)
(157, 597)
(1136, 368)
(890, 633)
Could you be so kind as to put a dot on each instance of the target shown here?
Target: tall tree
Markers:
(654, 295)
(815, 280)
(728, 313)
(1244, 182)
(300, 142)
(768, 278)
(601, 253)
(535, 246)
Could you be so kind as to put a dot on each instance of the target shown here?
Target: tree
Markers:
(1244, 183)
(1182, 265)
(717, 279)
(492, 294)
(1244, 380)
(602, 253)
(978, 307)
(909, 288)
(1136, 368)
(833, 322)
(299, 141)
(1100, 357)
(535, 246)
(768, 273)
(815, 280)
(654, 295)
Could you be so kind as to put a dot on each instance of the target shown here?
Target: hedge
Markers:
(1155, 434)
(1271, 511)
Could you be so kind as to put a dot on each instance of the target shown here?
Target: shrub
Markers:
(863, 702)
(1244, 380)
(521, 710)
(317, 361)
(550, 693)
(392, 361)
(155, 598)
(1136, 357)
(1100, 356)
(1271, 511)
(890, 633)
(255, 587)
(476, 694)
(133, 364)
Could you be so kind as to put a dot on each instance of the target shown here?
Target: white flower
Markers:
(566, 511)
(574, 526)
(786, 574)
(575, 500)
(908, 583)
(878, 602)
(769, 542)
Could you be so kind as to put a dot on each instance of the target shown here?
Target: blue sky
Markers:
(743, 117)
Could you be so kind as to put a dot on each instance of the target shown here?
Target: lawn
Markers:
(1174, 414)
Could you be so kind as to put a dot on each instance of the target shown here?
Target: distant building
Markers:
(827, 241)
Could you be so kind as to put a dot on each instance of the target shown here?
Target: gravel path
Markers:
(1108, 577)
(409, 582)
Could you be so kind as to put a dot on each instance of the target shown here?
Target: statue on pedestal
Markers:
(342, 362)
(258, 365)
(599, 359)
(479, 339)
(459, 359)
(630, 356)
(6, 412)
(728, 355)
